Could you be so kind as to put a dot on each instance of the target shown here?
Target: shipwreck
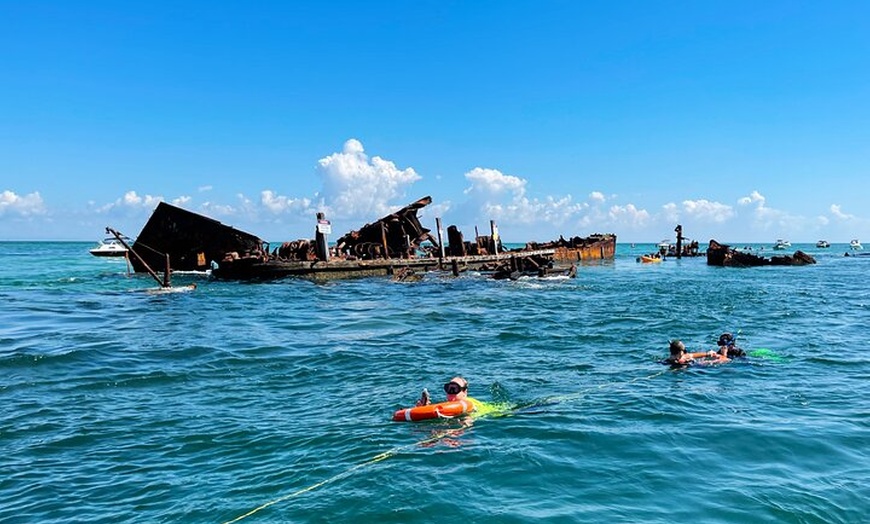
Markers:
(724, 255)
(396, 245)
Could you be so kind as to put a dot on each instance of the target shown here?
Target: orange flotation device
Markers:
(430, 411)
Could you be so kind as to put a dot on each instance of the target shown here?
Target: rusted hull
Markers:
(578, 249)
(342, 269)
(602, 250)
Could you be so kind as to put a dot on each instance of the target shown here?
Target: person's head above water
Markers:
(677, 348)
(726, 339)
(456, 389)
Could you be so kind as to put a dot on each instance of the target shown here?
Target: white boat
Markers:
(110, 247)
(823, 243)
(664, 244)
(781, 244)
(854, 244)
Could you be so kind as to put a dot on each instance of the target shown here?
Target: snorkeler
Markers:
(456, 389)
(458, 403)
(728, 346)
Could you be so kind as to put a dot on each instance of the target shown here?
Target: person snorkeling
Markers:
(728, 346)
(679, 357)
(456, 389)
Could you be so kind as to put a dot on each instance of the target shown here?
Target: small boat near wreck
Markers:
(781, 244)
(724, 255)
(855, 245)
(396, 245)
(822, 244)
(110, 247)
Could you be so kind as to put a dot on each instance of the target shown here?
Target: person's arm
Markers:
(424, 398)
(703, 354)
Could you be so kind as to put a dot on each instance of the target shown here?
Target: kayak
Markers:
(646, 259)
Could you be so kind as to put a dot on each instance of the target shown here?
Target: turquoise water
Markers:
(126, 406)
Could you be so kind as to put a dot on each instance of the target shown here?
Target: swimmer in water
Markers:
(679, 357)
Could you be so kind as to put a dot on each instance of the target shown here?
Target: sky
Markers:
(743, 121)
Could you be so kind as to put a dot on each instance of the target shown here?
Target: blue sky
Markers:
(742, 121)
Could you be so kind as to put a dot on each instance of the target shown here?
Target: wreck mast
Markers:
(165, 281)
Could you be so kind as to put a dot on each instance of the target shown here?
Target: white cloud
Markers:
(501, 197)
(278, 204)
(837, 211)
(356, 187)
(181, 201)
(670, 212)
(597, 196)
(704, 210)
(491, 183)
(26, 205)
(628, 215)
(132, 201)
(203, 189)
(217, 210)
(754, 198)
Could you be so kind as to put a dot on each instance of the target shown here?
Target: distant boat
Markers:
(823, 243)
(854, 244)
(664, 244)
(110, 247)
(781, 244)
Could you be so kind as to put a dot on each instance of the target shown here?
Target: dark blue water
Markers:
(121, 405)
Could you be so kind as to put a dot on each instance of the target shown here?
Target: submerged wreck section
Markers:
(397, 244)
(724, 255)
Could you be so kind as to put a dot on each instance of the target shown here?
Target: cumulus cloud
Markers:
(705, 210)
(493, 184)
(670, 212)
(279, 204)
(355, 186)
(217, 210)
(754, 198)
(21, 205)
(502, 197)
(839, 214)
(597, 196)
(628, 215)
(132, 201)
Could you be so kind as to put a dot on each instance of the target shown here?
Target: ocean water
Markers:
(271, 402)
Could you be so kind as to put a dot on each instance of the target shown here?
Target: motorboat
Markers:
(664, 244)
(110, 247)
(854, 244)
(782, 244)
(823, 243)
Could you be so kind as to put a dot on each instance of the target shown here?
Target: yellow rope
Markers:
(377, 458)
(387, 454)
